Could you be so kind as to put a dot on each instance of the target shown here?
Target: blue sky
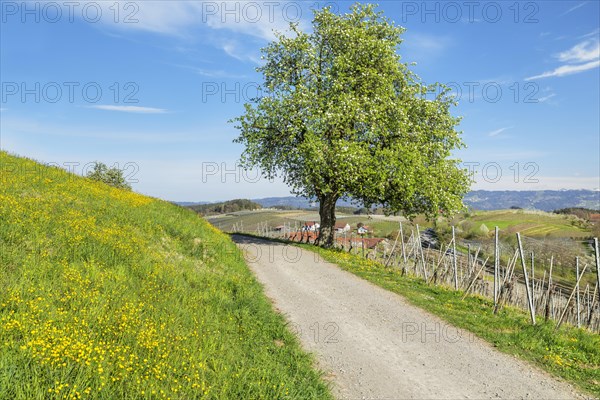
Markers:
(150, 86)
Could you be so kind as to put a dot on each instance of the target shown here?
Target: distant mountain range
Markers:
(545, 200)
(192, 203)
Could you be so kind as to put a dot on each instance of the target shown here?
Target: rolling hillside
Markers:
(108, 294)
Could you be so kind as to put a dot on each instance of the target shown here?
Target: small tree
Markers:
(111, 176)
(342, 117)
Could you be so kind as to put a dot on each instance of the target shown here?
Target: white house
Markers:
(363, 229)
(342, 227)
(311, 227)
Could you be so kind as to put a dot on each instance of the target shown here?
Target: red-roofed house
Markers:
(342, 227)
(311, 226)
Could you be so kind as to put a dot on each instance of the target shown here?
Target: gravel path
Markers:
(372, 344)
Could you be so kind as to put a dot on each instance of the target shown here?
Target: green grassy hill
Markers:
(106, 293)
(533, 223)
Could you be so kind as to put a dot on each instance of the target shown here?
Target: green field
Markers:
(532, 223)
(108, 294)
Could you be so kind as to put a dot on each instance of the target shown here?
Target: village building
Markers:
(342, 227)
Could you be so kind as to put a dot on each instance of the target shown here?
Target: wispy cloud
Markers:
(173, 18)
(581, 52)
(262, 27)
(211, 73)
(498, 131)
(593, 33)
(180, 18)
(240, 52)
(575, 7)
(217, 23)
(130, 109)
(425, 47)
(546, 98)
(428, 42)
(579, 58)
(566, 70)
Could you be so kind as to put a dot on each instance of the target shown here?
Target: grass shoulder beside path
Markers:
(109, 294)
(569, 353)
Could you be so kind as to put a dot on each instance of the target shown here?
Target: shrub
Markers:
(110, 176)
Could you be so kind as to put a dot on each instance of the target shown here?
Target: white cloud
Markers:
(582, 52)
(566, 70)
(593, 33)
(164, 17)
(427, 42)
(570, 10)
(546, 98)
(239, 51)
(161, 16)
(579, 58)
(498, 131)
(211, 73)
(423, 47)
(131, 109)
(221, 24)
(179, 18)
(259, 21)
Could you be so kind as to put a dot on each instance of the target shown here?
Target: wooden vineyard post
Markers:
(562, 316)
(592, 305)
(533, 281)
(469, 258)
(454, 267)
(421, 252)
(415, 250)
(549, 291)
(474, 279)
(577, 300)
(527, 288)
(586, 297)
(532, 268)
(393, 247)
(363, 244)
(597, 251)
(496, 269)
(402, 242)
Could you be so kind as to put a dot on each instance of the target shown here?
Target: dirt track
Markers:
(372, 344)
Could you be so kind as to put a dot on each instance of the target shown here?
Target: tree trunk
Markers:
(327, 214)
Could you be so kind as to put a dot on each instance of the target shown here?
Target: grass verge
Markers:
(109, 294)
